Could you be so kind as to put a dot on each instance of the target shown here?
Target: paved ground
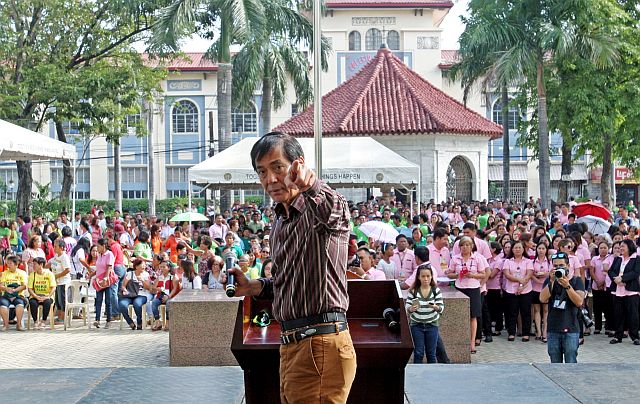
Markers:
(595, 350)
(81, 348)
(541, 383)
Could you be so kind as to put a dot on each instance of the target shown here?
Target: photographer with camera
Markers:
(564, 296)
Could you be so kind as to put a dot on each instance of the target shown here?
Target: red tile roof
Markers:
(190, 62)
(449, 58)
(386, 97)
(389, 4)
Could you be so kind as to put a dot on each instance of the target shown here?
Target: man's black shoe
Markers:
(488, 338)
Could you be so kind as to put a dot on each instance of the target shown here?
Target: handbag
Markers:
(132, 288)
(100, 284)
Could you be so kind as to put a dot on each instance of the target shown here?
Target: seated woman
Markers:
(162, 289)
(265, 272)
(13, 283)
(215, 278)
(187, 279)
(134, 294)
(42, 286)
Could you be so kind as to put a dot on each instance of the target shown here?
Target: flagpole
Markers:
(317, 85)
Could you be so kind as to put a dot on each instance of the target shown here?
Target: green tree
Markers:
(45, 44)
(598, 107)
(476, 69)
(236, 20)
(529, 36)
(270, 57)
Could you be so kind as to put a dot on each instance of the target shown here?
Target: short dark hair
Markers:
(66, 231)
(439, 232)
(422, 253)
(470, 226)
(399, 236)
(289, 144)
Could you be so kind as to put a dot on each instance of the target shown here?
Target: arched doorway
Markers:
(459, 180)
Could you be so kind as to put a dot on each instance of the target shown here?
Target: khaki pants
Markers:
(319, 369)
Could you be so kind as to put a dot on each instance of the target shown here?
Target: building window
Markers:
(176, 193)
(82, 176)
(373, 39)
(130, 175)
(517, 190)
(294, 110)
(8, 183)
(177, 174)
(355, 41)
(244, 123)
(184, 117)
(393, 40)
(496, 115)
(130, 194)
(516, 152)
(71, 128)
(132, 123)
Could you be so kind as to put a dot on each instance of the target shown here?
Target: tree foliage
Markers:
(53, 49)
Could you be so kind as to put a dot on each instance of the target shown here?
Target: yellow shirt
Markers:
(42, 284)
(14, 279)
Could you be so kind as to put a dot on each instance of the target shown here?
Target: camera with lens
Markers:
(355, 262)
(583, 315)
(560, 272)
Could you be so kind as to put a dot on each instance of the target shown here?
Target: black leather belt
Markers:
(330, 317)
(297, 336)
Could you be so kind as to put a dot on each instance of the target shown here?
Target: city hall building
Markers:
(460, 153)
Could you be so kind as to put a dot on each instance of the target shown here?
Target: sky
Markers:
(452, 26)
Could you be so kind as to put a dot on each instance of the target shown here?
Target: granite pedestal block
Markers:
(201, 326)
(454, 325)
(455, 329)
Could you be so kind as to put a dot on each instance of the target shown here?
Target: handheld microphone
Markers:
(389, 316)
(229, 262)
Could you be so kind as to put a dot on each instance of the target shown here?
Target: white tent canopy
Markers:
(18, 143)
(347, 162)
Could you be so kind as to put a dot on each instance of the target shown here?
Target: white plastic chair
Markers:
(52, 321)
(74, 287)
(144, 316)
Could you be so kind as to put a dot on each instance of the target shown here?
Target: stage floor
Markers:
(476, 383)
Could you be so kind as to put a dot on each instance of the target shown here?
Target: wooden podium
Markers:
(382, 355)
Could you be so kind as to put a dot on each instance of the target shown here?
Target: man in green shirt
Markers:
(483, 218)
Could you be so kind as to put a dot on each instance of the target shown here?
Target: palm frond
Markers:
(174, 22)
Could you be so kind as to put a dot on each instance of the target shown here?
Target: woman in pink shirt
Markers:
(541, 267)
(468, 270)
(104, 276)
(494, 287)
(518, 270)
(601, 297)
(624, 275)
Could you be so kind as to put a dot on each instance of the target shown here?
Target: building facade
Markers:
(184, 123)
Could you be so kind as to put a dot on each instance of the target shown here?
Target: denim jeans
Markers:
(120, 271)
(104, 294)
(561, 344)
(137, 303)
(155, 307)
(425, 340)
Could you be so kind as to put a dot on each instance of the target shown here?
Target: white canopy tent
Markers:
(347, 162)
(18, 143)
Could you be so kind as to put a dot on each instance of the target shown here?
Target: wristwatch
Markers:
(568, 287)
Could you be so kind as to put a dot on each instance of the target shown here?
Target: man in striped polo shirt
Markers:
(309, 244)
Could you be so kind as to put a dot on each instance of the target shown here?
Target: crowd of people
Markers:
(124, 260)
(498, 254)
